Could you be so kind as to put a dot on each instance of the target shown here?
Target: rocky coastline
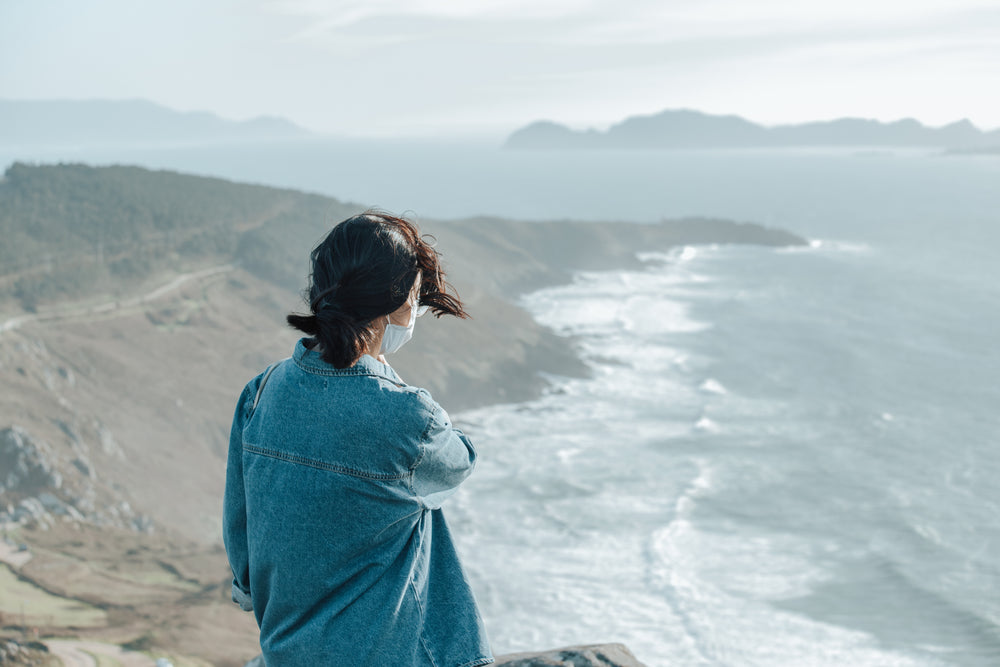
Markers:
(112, 397)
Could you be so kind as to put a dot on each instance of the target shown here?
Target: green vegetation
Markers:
(141, 644)
(157, 575)
(40, 608)
(71, 231)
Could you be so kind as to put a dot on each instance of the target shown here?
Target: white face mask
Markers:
(395, 336)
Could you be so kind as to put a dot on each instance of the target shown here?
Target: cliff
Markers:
(598, 655)
(138, 303)
(82, 240)
(134, 306)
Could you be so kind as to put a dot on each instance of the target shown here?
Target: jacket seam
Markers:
(357, 372)
(246, 400)
(420, 458)
(361, 371)
(423, 446)
(420, 609)
(320, 465)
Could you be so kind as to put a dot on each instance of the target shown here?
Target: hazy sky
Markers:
(408, 67)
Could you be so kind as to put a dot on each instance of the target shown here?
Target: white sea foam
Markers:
(672, 256)
(713, 386)
(721, 586)
(830, 246)
(565, 455)
(586, 520)
(707, 425)
(577, 479)
(612, 305)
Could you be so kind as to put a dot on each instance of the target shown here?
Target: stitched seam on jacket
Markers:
(423, 447)
(346, 372)
(321, 465)
(420, 608)
(420, 458)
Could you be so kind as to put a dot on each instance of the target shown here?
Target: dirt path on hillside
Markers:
(75, 653)
(112, 306)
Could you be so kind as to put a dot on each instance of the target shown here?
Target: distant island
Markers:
(685, 128)
(133, 122)
(992, 149)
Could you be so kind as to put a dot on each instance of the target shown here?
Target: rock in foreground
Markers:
(597, 655)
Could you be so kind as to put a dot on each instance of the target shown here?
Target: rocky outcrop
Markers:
(13, 652)
(32, 488)
(28, 465)
(597, 655)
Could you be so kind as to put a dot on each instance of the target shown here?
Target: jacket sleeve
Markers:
(447, 457)
(234, 514)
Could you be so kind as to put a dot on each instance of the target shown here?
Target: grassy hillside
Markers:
(81, 235)
(72, 231)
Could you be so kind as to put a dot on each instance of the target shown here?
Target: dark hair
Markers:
(363, 270)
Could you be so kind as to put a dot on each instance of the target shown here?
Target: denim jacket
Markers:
(332, 519)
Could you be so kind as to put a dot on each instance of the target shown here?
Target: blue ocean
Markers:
(783, 456)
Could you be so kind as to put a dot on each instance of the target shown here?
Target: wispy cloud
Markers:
(505, 62)
(709, 30)
(333, 19)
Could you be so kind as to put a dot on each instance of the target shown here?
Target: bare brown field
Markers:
(159, 595)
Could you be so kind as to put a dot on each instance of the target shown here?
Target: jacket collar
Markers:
(312, 362)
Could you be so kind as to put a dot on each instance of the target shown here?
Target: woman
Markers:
(337, 470)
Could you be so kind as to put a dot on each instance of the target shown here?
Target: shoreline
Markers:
(498, 261)
(124, 404)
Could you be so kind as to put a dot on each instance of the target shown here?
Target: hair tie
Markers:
(322, 295)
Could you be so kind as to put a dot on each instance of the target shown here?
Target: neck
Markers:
(374, 348)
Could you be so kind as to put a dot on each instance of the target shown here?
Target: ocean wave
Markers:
(829, 246)
(674, 255)
(723, 585)
(713, 386)
(706, 425)
(612, 303)
(603, 493)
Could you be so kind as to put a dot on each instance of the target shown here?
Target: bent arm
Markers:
(447, 458)
(234, 511)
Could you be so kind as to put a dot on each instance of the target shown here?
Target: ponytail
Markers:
(342, 338)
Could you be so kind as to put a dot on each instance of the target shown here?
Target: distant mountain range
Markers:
(693, 129)
(75, 123)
